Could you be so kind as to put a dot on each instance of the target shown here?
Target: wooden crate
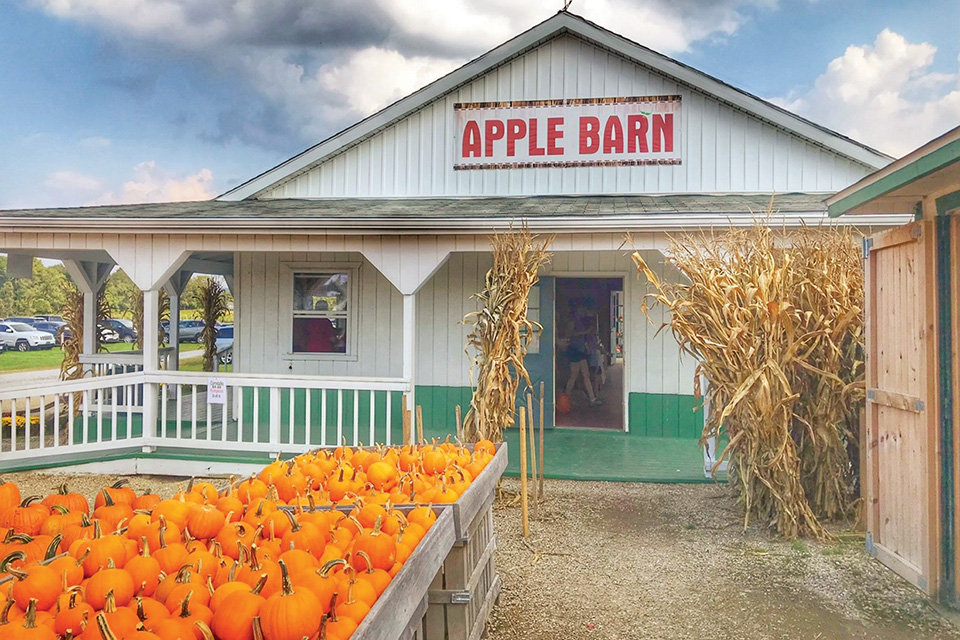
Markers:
(466, 587)
(399, 612)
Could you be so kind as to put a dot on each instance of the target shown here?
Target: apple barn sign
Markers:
(568, 133)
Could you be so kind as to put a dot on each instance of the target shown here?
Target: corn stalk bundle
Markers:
(72, 313)
(164, 314)
(501, 333)
(212, 300)
(775, 321)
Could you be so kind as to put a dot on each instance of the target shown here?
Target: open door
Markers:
(539, 360)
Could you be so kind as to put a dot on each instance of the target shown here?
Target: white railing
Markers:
(82, 415)
(171, 409)
(117, 362)
(274, 412)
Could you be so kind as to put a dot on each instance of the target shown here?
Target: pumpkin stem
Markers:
(60, 509)
(204, 630)
(107, 498)
(185, 605)
(287, 587)
(366, 557)
(377, 525)
(110, 602)
(119, 483)
(325, 569)
(97, 533)
(6, 568)
(333, 608)
(30, 619)
(257, 629)
(145, 552)
(105, 629)
(294, 525)
(6, 612)
(254, 559)
(258, 587)
(140, 612)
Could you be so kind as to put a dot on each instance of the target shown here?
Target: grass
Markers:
(49, 359)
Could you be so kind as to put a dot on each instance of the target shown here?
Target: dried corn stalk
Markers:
(72, 312)
(502, 332)
(775, 320)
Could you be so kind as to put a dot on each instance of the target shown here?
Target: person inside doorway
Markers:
(583, 347)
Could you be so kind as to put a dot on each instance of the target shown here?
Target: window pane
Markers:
(320, 292)
(319, 335)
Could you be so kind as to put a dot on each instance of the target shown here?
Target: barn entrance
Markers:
(589, 353)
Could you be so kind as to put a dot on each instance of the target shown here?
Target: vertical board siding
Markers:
(262, 278)
(724, 149)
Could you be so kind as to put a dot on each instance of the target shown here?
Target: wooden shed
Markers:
(911, 438)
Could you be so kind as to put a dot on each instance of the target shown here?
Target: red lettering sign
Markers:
(589, 135)
(493, 130)
(554, 136)
(516, 130)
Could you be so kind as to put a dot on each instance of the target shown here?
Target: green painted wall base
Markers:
(665, 415)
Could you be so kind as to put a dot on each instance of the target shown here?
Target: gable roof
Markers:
(559, 24)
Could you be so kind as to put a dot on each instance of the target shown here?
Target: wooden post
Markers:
(459, 424)
(541, 492)
(419, 424)
(523, 471)
(405, 420)
(533, 454)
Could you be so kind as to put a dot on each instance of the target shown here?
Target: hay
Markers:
(501, 333)
(775, 320)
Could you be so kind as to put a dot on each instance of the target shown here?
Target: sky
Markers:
(107, 102)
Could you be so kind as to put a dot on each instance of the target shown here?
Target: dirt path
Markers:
(671, 562)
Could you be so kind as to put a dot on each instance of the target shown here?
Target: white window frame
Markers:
(291, 269)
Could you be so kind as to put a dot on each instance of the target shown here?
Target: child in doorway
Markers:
(578, 352)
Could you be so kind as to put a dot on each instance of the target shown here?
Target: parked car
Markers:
(190, 330)
(53, 328)
(225, 344)
(3, 347)
(52, 318)
(23, 337)
(124, 329)
(24, 319)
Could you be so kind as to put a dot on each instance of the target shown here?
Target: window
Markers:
(533, 315)
(323, 306)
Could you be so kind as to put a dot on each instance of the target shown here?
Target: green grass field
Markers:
(50, 359)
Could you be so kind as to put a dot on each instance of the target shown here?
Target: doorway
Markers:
(589, 353)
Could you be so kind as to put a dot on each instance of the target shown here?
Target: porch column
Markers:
(409, 357)
(151, 362)
(175, 331)
(89, 322)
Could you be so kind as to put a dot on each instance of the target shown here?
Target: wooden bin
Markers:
(398, 614)
(466, 587)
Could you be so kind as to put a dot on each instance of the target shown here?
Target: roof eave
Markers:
(937, 155)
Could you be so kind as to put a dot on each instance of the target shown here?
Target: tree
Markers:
(121, 294)
(44, 293)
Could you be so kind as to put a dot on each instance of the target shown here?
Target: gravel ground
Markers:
(673, 561)
(658, 562)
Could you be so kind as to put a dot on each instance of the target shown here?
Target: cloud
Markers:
(151, 183)
(68, 182)
(883, 95)
(319, 66)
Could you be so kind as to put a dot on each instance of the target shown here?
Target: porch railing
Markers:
(178, 410)
(117, 362)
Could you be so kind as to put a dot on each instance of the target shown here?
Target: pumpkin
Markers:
(233, 620)
(353, 607)
(74, 617)
(145, 502)
(380, 549)
(205, 522)
(111, 512)
(64, 498)
(118, 493)
(144, 570)
(339, 627)
(109, 580)
(289, 614)
(39, 584)
(26, 517)
(9, 495)
(30, 630)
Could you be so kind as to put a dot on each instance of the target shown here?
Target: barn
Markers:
(353, 263)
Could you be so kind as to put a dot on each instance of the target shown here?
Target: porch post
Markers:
(409, 357)
(89, 321)
(151, 363)
(174, 333)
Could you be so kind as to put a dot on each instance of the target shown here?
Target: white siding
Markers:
(259, 279)
(724, 149)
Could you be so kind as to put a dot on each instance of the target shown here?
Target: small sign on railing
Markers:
(217, 391)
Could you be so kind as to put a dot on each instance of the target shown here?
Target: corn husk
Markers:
(501, 333)
(775, 320)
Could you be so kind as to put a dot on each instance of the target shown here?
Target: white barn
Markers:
(353, 263)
